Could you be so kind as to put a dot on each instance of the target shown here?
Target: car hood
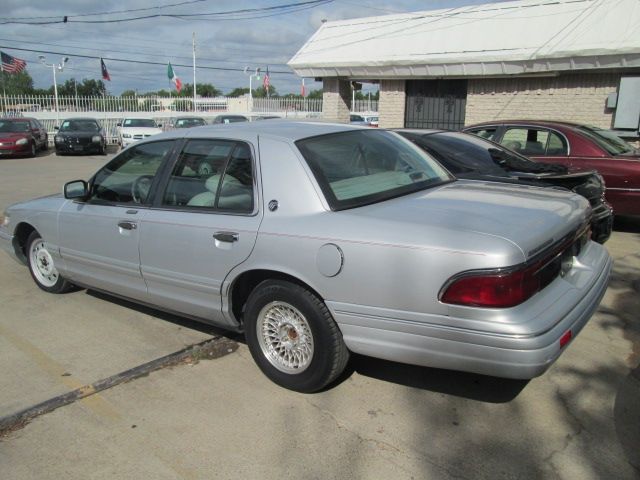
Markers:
(486, 218)
(12, 137)
(140, 130)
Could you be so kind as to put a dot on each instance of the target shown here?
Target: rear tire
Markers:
(42, 267)
(293, 337)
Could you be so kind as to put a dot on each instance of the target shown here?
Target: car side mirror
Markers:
(76, 189)
(159, 125)
(56, 128)
(118, 124)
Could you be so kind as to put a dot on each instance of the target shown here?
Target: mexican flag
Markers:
(174, 78)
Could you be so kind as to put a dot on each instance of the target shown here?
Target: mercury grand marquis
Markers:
(317, 240)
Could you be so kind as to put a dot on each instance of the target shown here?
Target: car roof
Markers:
(538, 123)
(286, 130)
(420, 131)
(80, 118)
(16, 119)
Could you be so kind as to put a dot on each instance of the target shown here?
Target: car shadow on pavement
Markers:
(626, 224)
(471, 386)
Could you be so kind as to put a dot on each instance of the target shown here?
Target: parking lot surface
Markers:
(221, 418)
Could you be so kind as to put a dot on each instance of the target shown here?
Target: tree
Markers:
(203, 90)
(238, 92)
(261, 92)
(315, 94)
(128, 93)
(17, 83)
(86, 88)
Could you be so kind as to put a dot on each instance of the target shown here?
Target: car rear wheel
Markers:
(42, 266)
(293, 337)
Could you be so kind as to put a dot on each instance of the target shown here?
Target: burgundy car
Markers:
(22, 136)
(579, 147)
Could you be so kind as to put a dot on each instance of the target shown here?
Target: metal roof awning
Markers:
(510, 38)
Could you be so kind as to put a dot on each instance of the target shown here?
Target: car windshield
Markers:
(360, 167)
(13, 127)
(80, 126)
(190, 122)
(607, 140)
(139, 122)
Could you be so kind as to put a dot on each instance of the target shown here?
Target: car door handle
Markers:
(229, 237)
(128, 225)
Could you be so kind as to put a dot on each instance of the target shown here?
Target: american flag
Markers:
(12, 64)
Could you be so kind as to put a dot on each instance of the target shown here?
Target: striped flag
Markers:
(105, 73)
(302, 90)
(174, 78)
(12, 64)
(265, 82)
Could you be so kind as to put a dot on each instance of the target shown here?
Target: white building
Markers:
(575, 60)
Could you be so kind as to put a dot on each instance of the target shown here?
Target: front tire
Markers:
(33, 151)
(42, 268)
(293, 337)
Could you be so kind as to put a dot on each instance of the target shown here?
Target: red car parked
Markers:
(22, 136)
(580, 147)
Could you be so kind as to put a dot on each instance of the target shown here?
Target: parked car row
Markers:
(318, 240)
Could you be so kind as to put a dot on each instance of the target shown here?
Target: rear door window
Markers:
(534, 141)
(488, 133)
(212, 174)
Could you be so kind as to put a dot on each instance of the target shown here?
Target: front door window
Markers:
(127, 179)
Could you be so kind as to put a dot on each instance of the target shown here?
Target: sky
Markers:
(269, 40)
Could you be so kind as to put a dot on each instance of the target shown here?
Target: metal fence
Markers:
(17, 104)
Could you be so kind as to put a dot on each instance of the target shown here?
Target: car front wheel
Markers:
(42, 266)
(293, 337)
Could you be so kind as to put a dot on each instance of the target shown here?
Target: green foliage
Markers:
(128, 93)
(16, 83)
(238, 92)
(261, 92)
(86, 88)
(317, 94)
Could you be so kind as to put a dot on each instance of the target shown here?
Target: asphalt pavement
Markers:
(217, 416)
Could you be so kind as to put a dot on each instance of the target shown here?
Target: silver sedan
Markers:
(317, 240)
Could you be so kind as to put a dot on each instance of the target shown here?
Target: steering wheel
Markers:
(140, 188)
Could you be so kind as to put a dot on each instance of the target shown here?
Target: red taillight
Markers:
(493, 290)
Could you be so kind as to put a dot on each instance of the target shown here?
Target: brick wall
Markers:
(336, 99)
(575, 97)
(391, 106)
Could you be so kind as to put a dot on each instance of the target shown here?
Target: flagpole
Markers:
(194, 72)
(4, 92)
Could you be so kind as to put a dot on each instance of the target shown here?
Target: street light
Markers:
(251, 75)
(53, 66)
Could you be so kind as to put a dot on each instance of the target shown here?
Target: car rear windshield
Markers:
(606, 140)
(139, 122)
(463, 153)
(360, 167)
(13, 127)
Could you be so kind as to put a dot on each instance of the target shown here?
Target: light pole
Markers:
(251, 75)
(53, 66)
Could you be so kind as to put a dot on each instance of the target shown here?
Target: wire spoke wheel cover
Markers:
(42, 264)
(285, 337)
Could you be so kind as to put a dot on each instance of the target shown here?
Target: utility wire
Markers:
(145, 62)
(240, 14)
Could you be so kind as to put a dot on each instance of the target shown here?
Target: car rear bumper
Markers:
(601, 223)
(409, 339)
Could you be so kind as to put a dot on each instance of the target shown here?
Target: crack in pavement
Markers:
(384, 445)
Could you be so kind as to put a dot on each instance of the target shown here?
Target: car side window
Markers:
(128, 178)
(212, 174)
(487, 133)
(556, 145)
(526, 141)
